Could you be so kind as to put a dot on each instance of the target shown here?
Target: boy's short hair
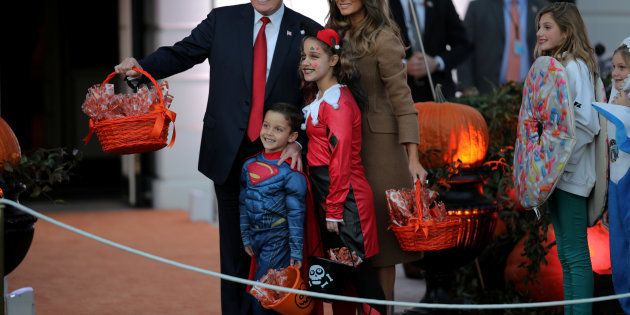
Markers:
(290, 112)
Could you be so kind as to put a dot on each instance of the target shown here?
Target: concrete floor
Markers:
(407, 290)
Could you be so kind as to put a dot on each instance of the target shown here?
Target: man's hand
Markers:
(416, 67)
(249, 251)
(294, 152)
(332, 226)
(125, 66)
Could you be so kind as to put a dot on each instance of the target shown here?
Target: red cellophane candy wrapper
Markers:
(345, 256)
(101, 102)
(273, 277)
(411, 203)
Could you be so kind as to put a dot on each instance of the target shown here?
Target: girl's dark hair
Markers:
(344, 71)
(290, 113)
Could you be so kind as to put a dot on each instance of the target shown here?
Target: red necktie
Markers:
(513, 72)
(259, 76)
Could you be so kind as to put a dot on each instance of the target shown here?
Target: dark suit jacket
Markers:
(442, 27)
(485, 25)
(225, 38)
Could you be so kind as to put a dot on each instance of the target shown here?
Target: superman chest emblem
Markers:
(260, 171)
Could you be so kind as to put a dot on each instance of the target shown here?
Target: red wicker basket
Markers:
(135, 134)
(425, 235)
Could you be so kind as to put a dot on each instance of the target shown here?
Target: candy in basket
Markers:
(419, 221)
(130, 123)
(283, 302)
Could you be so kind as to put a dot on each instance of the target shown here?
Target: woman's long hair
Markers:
(344, 71)
(576, 43)
(361, 37)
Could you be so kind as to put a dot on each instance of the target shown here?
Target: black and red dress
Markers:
(340, 189)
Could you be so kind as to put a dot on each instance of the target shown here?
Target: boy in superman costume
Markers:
(272, 198)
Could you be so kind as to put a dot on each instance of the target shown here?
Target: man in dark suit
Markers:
(230, 38)
(488, 25)
(445, 44)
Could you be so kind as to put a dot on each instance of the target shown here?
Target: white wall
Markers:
(608, 21)
(315, 9)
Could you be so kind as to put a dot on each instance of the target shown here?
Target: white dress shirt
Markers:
(271, 32)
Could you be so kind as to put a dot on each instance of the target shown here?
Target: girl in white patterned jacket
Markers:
(562, 35)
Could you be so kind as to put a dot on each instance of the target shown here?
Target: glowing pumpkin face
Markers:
(9, 146)
(450, 132)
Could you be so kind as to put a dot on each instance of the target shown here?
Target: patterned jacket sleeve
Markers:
(244, 218)
(389, 54)
(339, 126)
(296, 210)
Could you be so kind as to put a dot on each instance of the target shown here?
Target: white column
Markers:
(178, 183)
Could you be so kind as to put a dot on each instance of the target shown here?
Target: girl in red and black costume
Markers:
(341, 193)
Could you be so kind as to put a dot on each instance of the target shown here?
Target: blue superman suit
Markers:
(272, 208)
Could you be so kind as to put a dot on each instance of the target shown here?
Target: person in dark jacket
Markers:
(253, 52)
(444, 39)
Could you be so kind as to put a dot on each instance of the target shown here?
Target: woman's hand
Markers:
(415, 168)
(124, 67)
(332, 226)
(293, 151)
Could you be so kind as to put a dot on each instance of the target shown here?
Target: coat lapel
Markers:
(287, 33)
(245, 36)
(429, 17)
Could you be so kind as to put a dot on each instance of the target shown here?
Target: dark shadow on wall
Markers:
(52, 51)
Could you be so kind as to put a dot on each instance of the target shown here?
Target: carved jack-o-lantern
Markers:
(9, 146)
(450, 132)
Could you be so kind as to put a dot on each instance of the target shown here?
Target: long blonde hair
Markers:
(361, 37)
(576, 44)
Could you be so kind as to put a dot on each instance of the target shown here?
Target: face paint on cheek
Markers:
(315, 65)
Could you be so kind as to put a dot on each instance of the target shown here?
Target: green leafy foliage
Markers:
(36, 173)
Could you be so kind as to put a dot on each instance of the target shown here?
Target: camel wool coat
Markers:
(389, 121)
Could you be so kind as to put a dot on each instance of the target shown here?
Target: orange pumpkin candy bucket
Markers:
(288, 303)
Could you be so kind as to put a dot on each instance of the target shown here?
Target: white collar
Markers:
(330, 96)
(275, 18)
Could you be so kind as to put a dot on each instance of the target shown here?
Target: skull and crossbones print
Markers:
(317, 276)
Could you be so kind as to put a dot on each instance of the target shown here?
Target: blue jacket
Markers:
(269, 194)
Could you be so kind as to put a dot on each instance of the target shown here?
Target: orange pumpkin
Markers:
(9, 146)
(450, 132)
(547, 284)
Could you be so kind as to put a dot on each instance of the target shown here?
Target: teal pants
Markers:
(569, 219)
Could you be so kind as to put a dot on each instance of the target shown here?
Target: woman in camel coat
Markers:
(390, 122)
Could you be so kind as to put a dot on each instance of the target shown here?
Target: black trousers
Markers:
(234, 260)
